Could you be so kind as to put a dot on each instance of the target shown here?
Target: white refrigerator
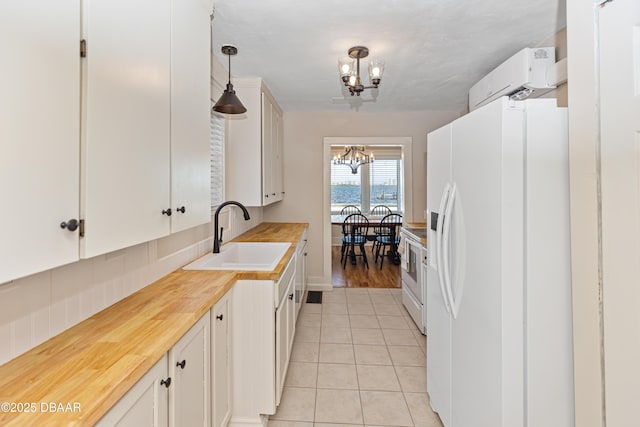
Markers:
(499, 331)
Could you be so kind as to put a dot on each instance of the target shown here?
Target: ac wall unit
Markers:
(521, 76)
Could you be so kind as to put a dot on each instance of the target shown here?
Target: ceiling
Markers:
(434, 50)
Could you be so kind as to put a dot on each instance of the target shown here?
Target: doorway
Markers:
(386, 181)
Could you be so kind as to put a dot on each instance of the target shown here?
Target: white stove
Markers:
(413, 258)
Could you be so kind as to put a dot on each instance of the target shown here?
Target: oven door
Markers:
(412, 268)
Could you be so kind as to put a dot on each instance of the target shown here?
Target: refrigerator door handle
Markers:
(446, 247)
(439, 263)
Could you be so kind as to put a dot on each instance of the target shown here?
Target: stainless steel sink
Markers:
(261, 256)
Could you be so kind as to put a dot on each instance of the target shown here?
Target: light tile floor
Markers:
(357, 359)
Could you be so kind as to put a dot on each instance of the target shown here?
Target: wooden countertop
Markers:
(97, 361)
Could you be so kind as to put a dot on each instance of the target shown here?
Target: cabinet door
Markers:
(281, 348)
(285, 327)
(190, 116)
(145, 404)
(291, 320)
(301, 274)
(189, 362)
(39, 134)
(277, 164)
(221, 361)
(268, 192)
(125, 140)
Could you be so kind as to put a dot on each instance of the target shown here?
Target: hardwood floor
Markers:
(358, 276)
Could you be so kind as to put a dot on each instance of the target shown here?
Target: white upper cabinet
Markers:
(39, 135)
(146, 121)
(190, 114)
(254, 151)
(272, 165)
(118, 138)
(126, 82)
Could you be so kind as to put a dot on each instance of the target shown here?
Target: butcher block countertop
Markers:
(93, 364)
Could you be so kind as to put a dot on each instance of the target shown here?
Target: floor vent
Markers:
(314, 297)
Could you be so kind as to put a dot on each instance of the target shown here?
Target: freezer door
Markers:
(438, 320)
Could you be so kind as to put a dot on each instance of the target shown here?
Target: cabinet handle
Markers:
(182, 364)
(181, 209)
(219, 317)
(70, 225)
(273, 194)
(266, 195)
(305, 254)
(290, 296)
(167, 212)
(166, 382)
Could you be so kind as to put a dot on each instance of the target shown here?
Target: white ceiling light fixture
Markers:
(354, 156)
(351, 77)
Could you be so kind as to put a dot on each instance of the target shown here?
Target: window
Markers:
(346, 187)
(385, 184)
(377, 183)
(217, 158)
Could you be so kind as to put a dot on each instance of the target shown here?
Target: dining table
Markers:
(375, 221)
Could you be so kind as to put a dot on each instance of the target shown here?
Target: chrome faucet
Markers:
(217, 238)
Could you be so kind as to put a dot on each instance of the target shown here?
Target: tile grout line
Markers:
(315, 403)
(356, 368)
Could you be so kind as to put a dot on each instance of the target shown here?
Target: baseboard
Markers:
(319, 283)
(259, 421)
(324, 287)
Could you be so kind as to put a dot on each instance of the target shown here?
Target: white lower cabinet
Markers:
(285, 329)
(145, 404)
(262, 335)
(189, 369)
(174, 392)
(301, 272)
(221, 361)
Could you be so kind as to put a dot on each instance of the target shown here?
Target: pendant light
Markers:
(229, 102)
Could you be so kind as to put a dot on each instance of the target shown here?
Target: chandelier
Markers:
(354, 157)
(351, 78)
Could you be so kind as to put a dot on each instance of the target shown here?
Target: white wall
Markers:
(559, 41)
(583, 153)
(303, 144)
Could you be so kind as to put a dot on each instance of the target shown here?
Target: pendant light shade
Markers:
(228, 103)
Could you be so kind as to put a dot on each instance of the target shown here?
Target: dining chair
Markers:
(377, 211)
(389, 237)
(354, 233)
(347, 210)
(380, 210)
(350, 209)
